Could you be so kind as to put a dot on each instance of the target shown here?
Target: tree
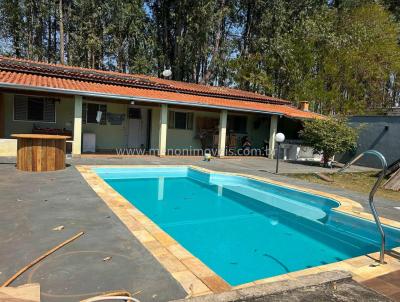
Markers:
(360, 62)
(329, 136)
(128, 37)
(342, 56)
(61, 24)
(271, 62)
(339, 57)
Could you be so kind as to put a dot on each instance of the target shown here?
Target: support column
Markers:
(162, 139)
(273, 129)
(222, 133)
(2, 116)
(77, 143)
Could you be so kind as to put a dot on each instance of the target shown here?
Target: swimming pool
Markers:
(244, 229)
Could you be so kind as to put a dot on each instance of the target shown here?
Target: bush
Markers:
(329, 136)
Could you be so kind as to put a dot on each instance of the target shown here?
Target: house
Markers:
(109, 110)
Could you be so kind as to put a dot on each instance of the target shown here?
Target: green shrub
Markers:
(329, 136)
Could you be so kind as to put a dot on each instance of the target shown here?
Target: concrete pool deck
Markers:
(33, 204)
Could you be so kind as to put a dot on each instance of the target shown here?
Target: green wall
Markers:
(107, 136)
(64, 114)
(115, 136)
(110, 136)
(183, 139)
(258, 129)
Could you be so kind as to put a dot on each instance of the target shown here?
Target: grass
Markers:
(358, 182)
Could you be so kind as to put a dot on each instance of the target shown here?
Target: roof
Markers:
(30, 75)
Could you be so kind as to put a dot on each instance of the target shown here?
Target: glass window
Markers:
(35, 110)
(27, 108)
(89, 113)
(237, 123)
(135, 113)
(180, 120)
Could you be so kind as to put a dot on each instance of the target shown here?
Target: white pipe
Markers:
(104, 298)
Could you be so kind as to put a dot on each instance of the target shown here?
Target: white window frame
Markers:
(98, 106)
(186, 126)
(34, 121)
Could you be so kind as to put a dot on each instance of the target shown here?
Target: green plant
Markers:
(329, 136)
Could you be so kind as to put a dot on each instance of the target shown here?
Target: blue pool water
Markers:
(243, 229)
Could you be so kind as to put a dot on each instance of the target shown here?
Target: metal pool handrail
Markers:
(372, 193)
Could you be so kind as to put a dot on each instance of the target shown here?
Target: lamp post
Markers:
(279, 138)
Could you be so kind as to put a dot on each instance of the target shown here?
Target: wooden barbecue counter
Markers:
(40, 152)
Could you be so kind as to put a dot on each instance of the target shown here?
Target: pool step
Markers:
(289, 205)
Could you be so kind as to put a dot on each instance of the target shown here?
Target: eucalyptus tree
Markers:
(341, 55)
(193, 37)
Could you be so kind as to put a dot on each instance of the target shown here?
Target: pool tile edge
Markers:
(193, 275)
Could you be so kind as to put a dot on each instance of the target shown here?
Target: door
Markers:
(138, 128)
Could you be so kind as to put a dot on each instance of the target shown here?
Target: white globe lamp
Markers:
(280, 137)
(167, 73)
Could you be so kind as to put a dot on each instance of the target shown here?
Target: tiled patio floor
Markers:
(388, 285)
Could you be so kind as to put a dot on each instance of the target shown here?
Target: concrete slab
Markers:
(348, 291)
(32, 204)
(328, 286)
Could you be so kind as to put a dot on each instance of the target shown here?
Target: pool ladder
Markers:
(372, 193)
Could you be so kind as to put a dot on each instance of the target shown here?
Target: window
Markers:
(180, 120)
(37, 109)
(89, 113)
(237, 123)
(135, 113)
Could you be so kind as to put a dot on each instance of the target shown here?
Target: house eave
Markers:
(129, 98)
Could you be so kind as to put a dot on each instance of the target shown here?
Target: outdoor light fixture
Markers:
(167, 73)
(279, 138)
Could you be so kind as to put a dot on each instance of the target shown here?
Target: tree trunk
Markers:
(54, 52)
(217, 43)
(248, 28)
(67, 34)
(61, 24)
(49, 27)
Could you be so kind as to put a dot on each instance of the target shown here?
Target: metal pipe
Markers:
(277, 158)
(372, 193)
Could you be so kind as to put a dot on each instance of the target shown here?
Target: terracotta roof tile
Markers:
(29, 80)
(133, 80)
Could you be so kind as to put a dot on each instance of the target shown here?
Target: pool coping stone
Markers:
(197, 278)
(258, 291)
